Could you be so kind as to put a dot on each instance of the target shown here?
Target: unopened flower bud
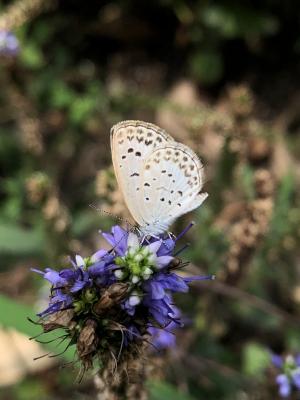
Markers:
(135, 279)
(134, 299)
(147, 273)
(152, 258)
(78, 306)
(119, 274)
(138, 257)
(89, 295)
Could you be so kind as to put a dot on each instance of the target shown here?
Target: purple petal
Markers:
(38, 271)
(282, 379)
(166, 247)
(173, 282)
(69, 274)
(163, 261)
(130, 334)
(284, 385)
(155, 289)
(277, 360)
(160, 309)
(9, 44)
(51, 309)
(297, 359)
(98, 255)
(153, 247)
(117, 238)
(198, 278)
(79, 261)
(61, 297)
(78, 285)
(98, 268)
(54, 277)
(128, 308)
(162, 338)
(296, 378)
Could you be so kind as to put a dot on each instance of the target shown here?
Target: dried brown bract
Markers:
(61, 319)
(111, 296)
(87, 343)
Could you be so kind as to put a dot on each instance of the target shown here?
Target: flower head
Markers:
(9, 44)
(289, 378)
(117, 297)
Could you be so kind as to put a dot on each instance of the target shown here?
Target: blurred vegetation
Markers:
(222, 77)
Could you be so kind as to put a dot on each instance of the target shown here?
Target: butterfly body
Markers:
(160, 178)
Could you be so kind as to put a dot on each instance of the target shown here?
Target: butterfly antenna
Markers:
(101, 210)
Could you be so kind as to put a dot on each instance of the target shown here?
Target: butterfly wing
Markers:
(131, 143)
(172, 181)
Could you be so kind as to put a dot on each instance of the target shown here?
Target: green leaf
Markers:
(62, 95)
(233, 21)
(29, 389)
(16, 241)
(206, 66)
(256, 358)
(81, 109)
(31, 56)
(163, 391)
(14, 315)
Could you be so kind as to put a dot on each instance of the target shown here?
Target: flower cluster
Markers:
(9, 45)
(117, 298)
(289, 378)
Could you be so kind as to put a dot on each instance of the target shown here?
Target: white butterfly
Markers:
(160, 178)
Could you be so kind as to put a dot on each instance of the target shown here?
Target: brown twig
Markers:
(248, 298)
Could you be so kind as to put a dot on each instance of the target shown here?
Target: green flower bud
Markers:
(78, 306)
(89, 295)
(135, 279)
(119, 261)
(138, 257)
(145, 252)
(135, 268)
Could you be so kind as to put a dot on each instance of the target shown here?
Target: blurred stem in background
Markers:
(23, 11)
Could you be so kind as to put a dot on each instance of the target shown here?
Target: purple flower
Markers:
(165, 338)
(296, 378)
(162, 338)
(289, 378)
(133, 283)
(117, 239)
(131, 333)
(68, 285)
(9, 45)
(144, 262)
(277, 360)
(284, 385)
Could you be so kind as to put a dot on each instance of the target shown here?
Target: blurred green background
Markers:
(221, 77)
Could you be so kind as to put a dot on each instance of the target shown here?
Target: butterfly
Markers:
(160, 178)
